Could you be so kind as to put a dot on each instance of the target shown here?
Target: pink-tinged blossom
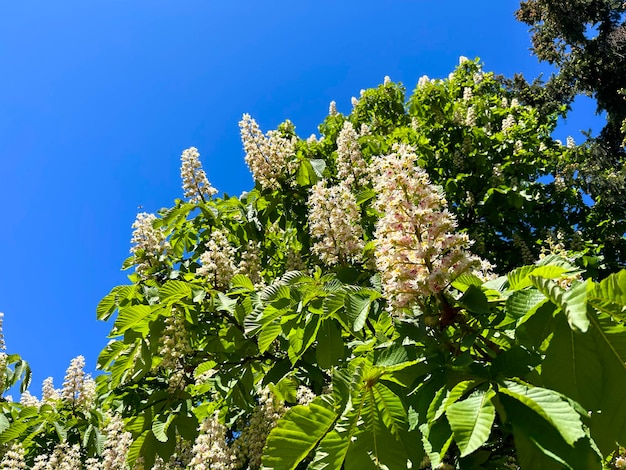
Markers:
(195, 183)
(270, 157)
(417, 251)
(334, 224)
(351, 166)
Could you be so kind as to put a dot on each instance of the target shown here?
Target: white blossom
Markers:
(351, 166)
(74, 382)
(217, 260)
(570, 142)
(332, 109)
(463, 59)
(250, 443)
(29, 400)
(508, 122)
(270, 156)
(470, 118)
(148, 242)
(195, 183)
(48, 393)
(417, 251)
(386, 80)
(423, 81)
(210, 451)
(13, 459)
(467, 93)
(334, 224)
(2, 345)
(354, 101)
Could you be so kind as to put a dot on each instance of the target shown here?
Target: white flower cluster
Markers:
(27, 399)
(2, 345)
(304, 395)
(332, 109)
(13, 459)
(195, 183)
(508, 122)
(217, 260)
(63, 457)
(73, 391)
(3, 365)
(248, 447)
(116, 445)
(470, 118)
(467, 93)
(423, 81)
(174, 342)
(210, 451)
(334, 224)
(48, 393)
(148, 243)
(250, 262)
(417, 250)
(269, 157)
(351, 166)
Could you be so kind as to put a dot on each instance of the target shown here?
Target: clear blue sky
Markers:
(99, 98)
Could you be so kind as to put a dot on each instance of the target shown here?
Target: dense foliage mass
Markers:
(418, 287)
(586, 41)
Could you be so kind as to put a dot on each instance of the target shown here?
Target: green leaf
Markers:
(522, 304)
(609, 296)
(330, 346)
(357, 308)
(132, 316)
(297, 433)
(573, 301)
(268, 334)
(173, 291)
(471, 420)
(551, 406)
(520, 278)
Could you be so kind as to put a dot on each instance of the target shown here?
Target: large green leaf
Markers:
(330, 346)
(173, 291)
(551, 406)
(297, 434)
(573, 301)
(131, 317)
(608, 424)
(471, 420)
(609, 296)
(539, 445)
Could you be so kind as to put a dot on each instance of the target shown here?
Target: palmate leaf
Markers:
(551, 406)
(609, 296)
(471, 420)
(297, 434)
(608, 426)
(573, 301)
(539, 445)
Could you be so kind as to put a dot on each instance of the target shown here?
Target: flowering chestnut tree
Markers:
(406, 290)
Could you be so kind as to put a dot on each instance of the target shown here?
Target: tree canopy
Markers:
(418, 286)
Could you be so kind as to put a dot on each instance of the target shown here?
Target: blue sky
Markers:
(98, 99)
